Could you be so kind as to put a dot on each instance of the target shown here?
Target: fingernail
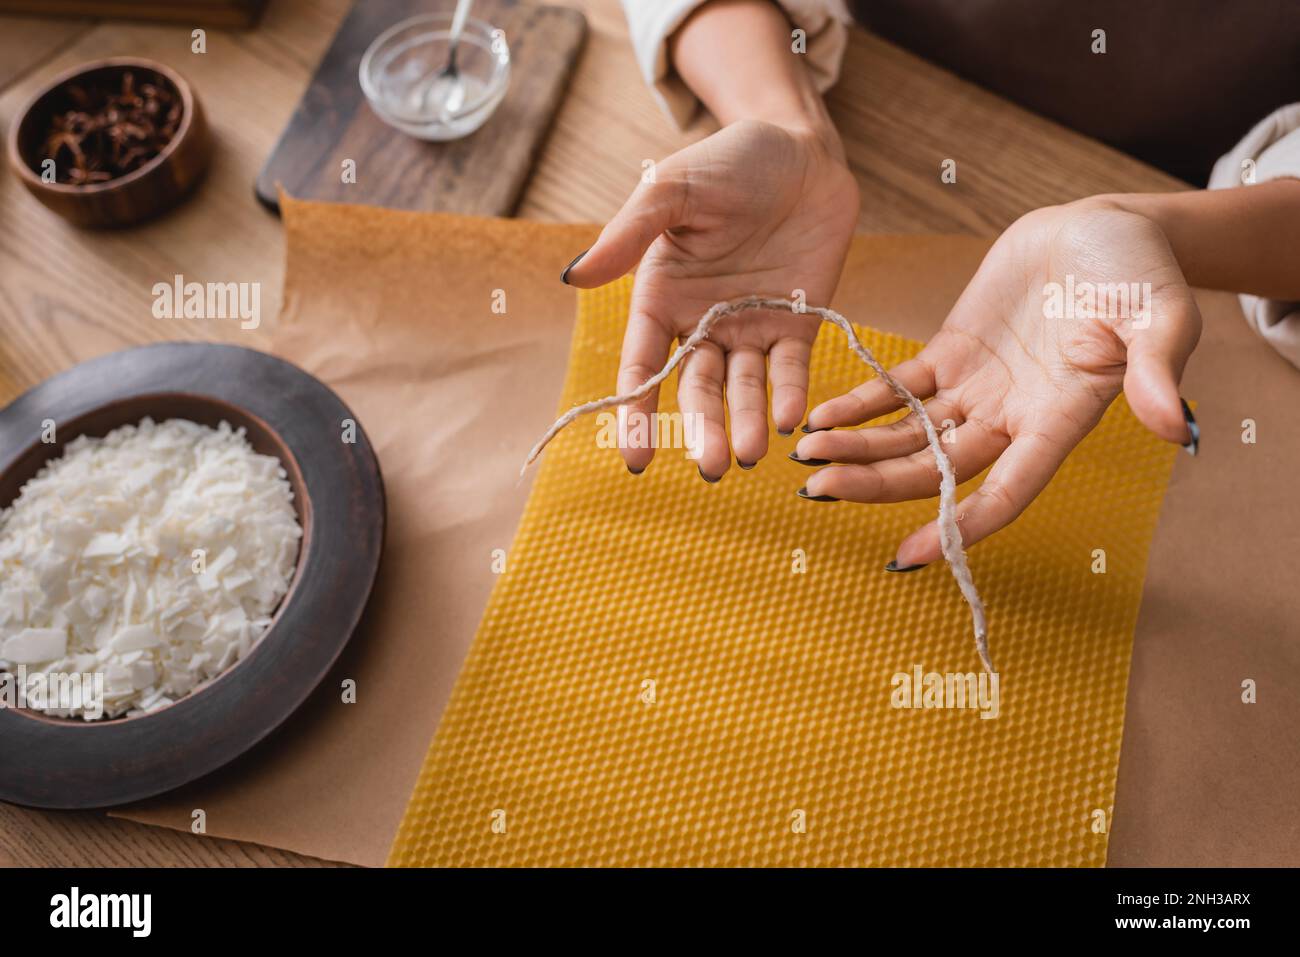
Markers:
(636, 471)
(564, 276)
(893, 566)
(711, 481)
(746, 465)
(808, 430)
(786, 432)
(794, 457)
(803, 493)
(1195, 442)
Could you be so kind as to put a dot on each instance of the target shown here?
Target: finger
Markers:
(873, 399)
(876, 443)
(970, 448)
(1021, 472)
(645, 349)
(1157, 355)
(747, 404)
(788, 369)
(699, 395)
(652, 209)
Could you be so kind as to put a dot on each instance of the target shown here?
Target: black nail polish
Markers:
(1195, 442)
(564, 276)
(785, 432)
(795, 458)
(636, 471)
(746, 465)
(803, 493)
(893, 566)
(711, 481)
(809, 431)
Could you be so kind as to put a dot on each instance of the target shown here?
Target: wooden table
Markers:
(900, 117)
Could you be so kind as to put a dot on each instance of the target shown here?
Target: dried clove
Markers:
(110, 133)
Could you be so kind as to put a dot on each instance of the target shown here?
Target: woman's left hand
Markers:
(1022, 370)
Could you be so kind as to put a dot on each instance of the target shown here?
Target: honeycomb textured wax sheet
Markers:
(655, 682)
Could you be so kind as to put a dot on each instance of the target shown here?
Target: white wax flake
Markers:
(106, 545)
(134, 638)
(98, 570)
(33, 645)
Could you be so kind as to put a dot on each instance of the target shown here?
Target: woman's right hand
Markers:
(754, 208)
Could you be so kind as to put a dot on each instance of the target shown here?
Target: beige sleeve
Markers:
(1269, 151)
(652, 22)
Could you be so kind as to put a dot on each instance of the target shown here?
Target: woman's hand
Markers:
(1022, 369)
(754, 208)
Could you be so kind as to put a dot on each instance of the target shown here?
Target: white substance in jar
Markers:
(154, 556)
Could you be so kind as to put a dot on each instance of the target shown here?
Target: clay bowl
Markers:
(143, 193)
(339, 498)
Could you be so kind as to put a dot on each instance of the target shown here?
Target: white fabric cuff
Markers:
(652, 22)
(1269, 151)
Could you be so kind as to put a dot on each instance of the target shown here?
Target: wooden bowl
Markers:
(339, 498)
(145, 192)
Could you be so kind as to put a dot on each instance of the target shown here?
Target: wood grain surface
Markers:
(219, 13)
(900, 117)
(482, 174)
(28, 42)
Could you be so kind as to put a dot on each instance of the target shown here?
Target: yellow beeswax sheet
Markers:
(655, 682)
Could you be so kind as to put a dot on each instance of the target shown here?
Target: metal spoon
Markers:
(447, 89)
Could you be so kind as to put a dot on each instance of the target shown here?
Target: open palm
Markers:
(1013, 382)
(755, 208)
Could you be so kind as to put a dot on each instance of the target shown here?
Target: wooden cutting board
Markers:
(482, 174)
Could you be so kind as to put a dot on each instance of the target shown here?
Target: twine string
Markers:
(950, 541)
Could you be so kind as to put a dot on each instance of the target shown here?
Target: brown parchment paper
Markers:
(395, 311)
